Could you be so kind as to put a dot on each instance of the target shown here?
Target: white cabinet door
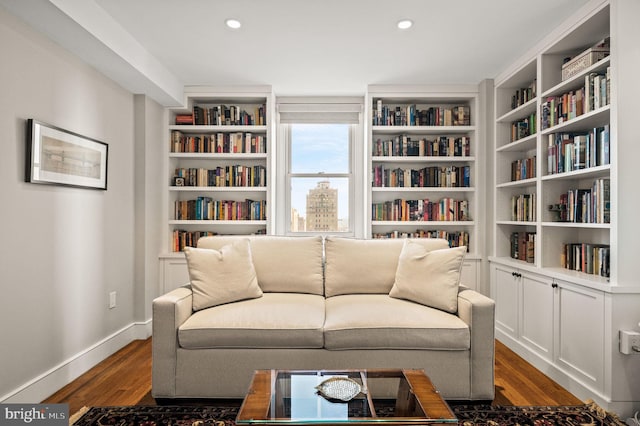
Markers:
(174, 273)
(580, 333)
(469, 274)
(536, 317)
(505, 284)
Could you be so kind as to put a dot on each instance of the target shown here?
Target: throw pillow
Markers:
(430, 278)
(222, 276)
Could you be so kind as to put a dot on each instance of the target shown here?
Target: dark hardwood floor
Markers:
(125, 379)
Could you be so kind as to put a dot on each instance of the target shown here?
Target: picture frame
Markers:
(56, 156)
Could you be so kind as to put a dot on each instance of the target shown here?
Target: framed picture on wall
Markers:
(60, 157)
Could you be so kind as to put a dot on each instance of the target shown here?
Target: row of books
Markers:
(523, 169)
(597, 90)
(592, 205)
(182, 238)
(523, 246)
(524, 95)
(447, 209)
(594, 95)
(223, 115)
(226, 143)
(588, 258)
(223, 176)
(523, 207)
(427, 177)
(567, 152)
(523, 127)
(455, 238)
(206, 208)
(410, 115)
(403, 146)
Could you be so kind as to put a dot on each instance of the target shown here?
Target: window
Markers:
(319, 139)
(320, 177)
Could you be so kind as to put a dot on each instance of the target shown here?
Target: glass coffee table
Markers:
(387, 396)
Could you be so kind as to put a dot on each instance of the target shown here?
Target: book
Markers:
(580, 152)
(184, 119)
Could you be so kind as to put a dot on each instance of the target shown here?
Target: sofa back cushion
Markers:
(354, 266)
(282, 264)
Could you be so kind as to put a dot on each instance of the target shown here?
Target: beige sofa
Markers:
(325, 305)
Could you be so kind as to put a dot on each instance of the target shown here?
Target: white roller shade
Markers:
(319, 112)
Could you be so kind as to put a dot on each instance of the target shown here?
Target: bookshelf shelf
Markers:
(576, 225)
(457, 109)
(428, 223)
(227, 223)
(425, 159)
(422, 130)
(582, 122)
(591, 172)
(230, 189)
(215, 156)
(517, 183)
(525, 144)
(516, 222)
(519, 112)
(399, 190)
(224, 129)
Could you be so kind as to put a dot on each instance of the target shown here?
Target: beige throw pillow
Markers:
(222, 276)
(427, 277)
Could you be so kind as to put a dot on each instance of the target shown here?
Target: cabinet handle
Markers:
(554, 285)
(514, 274)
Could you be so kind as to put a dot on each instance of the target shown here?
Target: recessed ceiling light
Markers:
(405, 24)
(233, 23)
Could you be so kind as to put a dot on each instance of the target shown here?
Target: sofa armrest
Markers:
(478, 312)
(169, 312)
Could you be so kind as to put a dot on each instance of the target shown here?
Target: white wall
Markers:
(62, 250)
(150, 152)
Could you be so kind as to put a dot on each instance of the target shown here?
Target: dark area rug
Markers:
(579, 415)
(468, 415)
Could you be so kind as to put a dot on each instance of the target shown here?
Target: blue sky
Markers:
(319, 148)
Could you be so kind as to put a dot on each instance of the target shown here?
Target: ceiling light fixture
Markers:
(233, 24)
(405, 24)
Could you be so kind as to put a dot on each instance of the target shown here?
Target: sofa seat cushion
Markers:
(377, 321)
(276, 320)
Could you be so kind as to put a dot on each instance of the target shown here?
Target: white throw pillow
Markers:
(430, 278)
(222, 276)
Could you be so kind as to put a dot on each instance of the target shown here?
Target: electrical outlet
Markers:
(629, 342)
(112, 300)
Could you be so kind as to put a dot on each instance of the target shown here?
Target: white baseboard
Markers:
(47, 383)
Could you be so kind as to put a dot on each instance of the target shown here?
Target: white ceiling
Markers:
(299, 47)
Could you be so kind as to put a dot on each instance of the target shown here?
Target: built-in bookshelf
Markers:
(422, 145)
(552, 133)
(218, 164)
(561, 263)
